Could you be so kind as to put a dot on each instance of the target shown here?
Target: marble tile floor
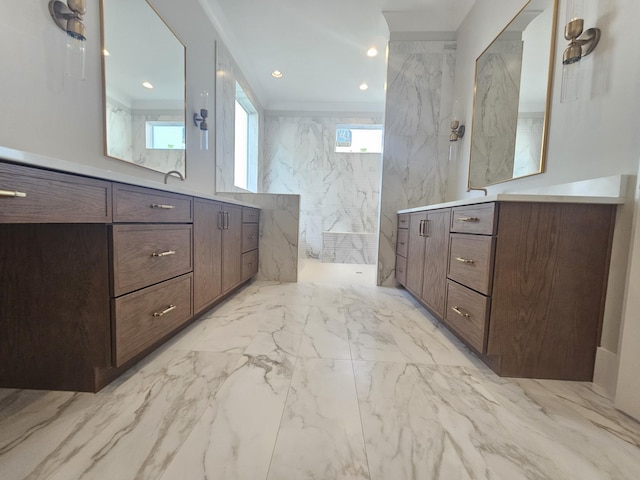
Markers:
(314, 270)
(316, 381)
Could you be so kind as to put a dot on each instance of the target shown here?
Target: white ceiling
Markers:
(321, 45)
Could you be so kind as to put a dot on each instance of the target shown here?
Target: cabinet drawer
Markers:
(471, 261)
(401, 270)
(249, 264)
(31, 195)
(250, 215)
(249, 237)
(403, 242)
(148, 254)
(474, 219)
(403, 220)
(467, 313)
(136, 204)
(144, 317)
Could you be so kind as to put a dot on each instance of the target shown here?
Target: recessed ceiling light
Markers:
(105, 52)
(276, 74)
(147, 85)
(372, 52)
(364, 86)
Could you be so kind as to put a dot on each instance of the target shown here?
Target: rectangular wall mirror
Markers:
(512, 98)
(144, 87)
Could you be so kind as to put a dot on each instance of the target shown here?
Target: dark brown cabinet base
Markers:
(526, 283)
(94, 275)
(55, 328)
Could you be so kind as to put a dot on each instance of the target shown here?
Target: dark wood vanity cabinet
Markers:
(525, 283)
(426, 259)
(221, 246)
(95, 274)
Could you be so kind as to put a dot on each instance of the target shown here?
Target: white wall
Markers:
(593, 137)
(41, 113)
(628, 386)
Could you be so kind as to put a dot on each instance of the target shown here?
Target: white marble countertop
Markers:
(42, 161)
(605, 190)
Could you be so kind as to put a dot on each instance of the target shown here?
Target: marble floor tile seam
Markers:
(286, 402)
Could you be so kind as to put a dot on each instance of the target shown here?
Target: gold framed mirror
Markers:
(512, 98)
(143, 66)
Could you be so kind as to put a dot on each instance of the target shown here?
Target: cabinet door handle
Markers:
(164, 254)
(400, 243)
(162, 207)
(468, 219)
(460, 312)
(421, 229)
(252, 237)
(165, 311)
(426, 228)
(11, 193)
(464, 260)
(220, 221)
(226, 220)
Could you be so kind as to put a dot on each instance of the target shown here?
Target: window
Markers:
(165, 135)
(246, 143)
(358, 139)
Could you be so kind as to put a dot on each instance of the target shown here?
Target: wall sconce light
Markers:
(69, 18)
(581, 43)
(457, 132)
(201, 121)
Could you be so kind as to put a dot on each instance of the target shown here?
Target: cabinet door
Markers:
(434, 283)
(415, 253)
(231, 247)
(207, 253)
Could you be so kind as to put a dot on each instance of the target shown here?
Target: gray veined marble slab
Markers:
(130, 431)
(371, 339)
(320, 435)
(234, 438)
(280, 330)
(452, 422)
(404, 440)
(325, 335)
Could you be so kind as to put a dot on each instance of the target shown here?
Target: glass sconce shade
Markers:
(69, 18)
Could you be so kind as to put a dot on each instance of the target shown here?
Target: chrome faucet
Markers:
(166, 175)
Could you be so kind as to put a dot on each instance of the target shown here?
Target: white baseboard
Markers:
(605, 374)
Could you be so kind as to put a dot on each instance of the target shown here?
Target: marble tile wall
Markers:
(420, 84)
(358, 248)
(161, 160)
(497, 97)
(120, 141)
(339, 191)
(227, 74)
(279, 220)
(528, 148)
(127, 138)
(225, 115)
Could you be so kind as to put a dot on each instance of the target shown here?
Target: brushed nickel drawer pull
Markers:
(464, 260)
(164, 254)
(460, 312)
(252, 237)
(164, 312)
(163, 207)
(468, 219)
(10, 193)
